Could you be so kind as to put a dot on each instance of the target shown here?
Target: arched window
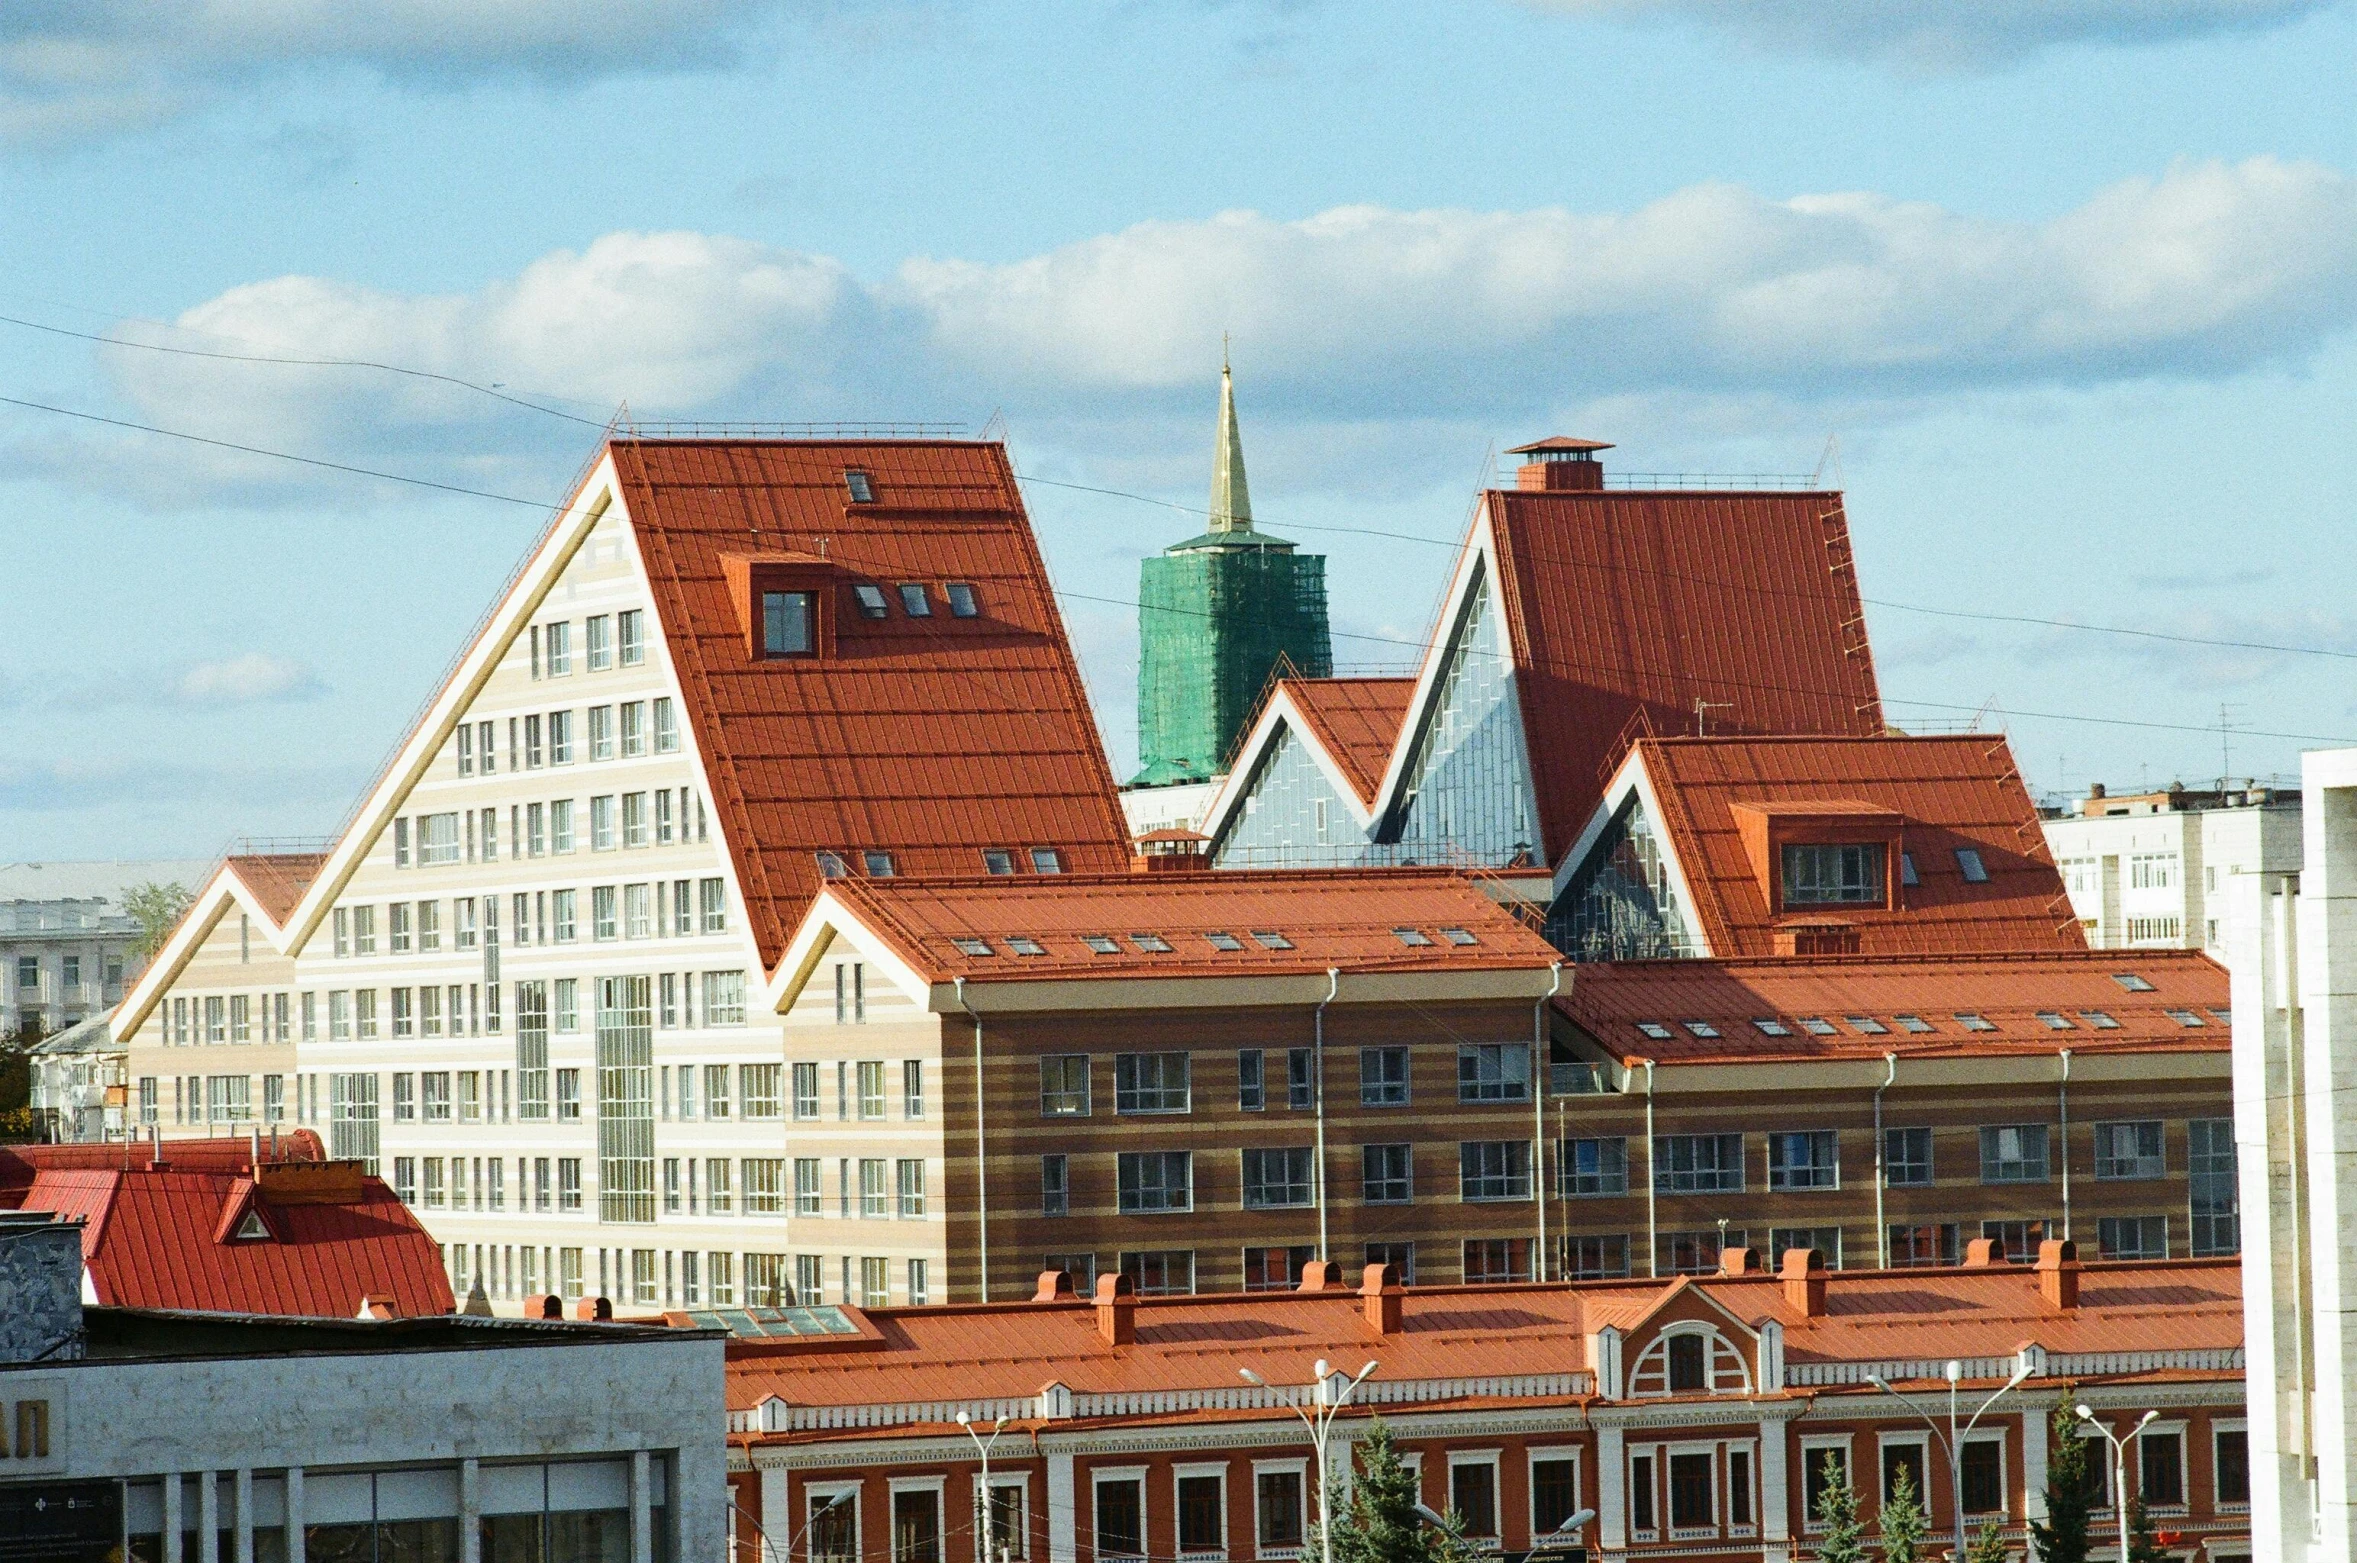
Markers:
(1690, 1358)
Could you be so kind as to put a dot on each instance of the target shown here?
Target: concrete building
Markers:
(2293, 949)
(66, 944)
(1684, 1419)
(79, 1090)
(174, 1437)
(2150, 870)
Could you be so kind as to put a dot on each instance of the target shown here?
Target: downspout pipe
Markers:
(1882, 1232)
(1652, 1185)
(1540, 1072)
(1317, 1091)
(981, 1145)
(2063, 1097)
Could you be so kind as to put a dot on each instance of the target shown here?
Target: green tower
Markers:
(1216, 614)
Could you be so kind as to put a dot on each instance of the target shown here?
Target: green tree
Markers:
(2070, 1493)
(1903, 1523)
(155, 908)
(1988, 1546)
(1381, 1524)
(1837, 1511)
(2143, 1545)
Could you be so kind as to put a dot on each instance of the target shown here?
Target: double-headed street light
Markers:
(982, 1515)
(1952, 1440)
(1332, 1392)
(2119, 1465)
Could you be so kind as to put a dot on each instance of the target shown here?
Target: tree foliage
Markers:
(2143, 1545)
(155, 908)
(1837, 1511)
(1988, 1546)
(2061, 1537)
(1380, 1524)
(1903, 1523)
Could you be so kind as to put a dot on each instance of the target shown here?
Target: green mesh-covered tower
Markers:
(1215, 615)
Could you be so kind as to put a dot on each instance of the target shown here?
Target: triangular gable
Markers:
(827, 920)
(1464, 777)
(1282, 737)
(225, 892)
(1629, 821)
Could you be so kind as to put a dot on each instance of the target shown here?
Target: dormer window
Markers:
(914, 602)
(871, 601)
(788, 626)
(252, 1230)
(863, 489)
(961, 600)
(832, 866)
(1843, 874)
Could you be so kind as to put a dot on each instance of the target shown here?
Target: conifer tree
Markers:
(1381, 1524)
(2062, 1536)
(1988, 1546)
(1837, 1512)
(1904, 1524)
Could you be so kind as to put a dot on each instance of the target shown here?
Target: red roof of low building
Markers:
(929, 738)
(1326, 918)
(1356, 721)
(206, 1230)
(1625, 605)
(1947, 792)
(1650, 1009)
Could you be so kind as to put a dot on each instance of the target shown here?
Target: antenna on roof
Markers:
(1831, 458)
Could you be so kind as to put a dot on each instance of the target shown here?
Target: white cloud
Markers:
(1951, 35)
(257, 676)
(251, 678)
(74, 69)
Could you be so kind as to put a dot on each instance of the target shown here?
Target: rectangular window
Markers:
(1642, 1518)
(2128, 1150)
(805, 1094)
(872, 1198)
(1121, 1518)
(2014, 1153)
(1692, 1253)
(437, 838)
(433, 1181)
(788, 624)
(605, 912)
(666, 726)
(1276, 1269)
(1906, 1158)
(625, 1099)
(912, 1089)
(809, 1198)
(1300, 1080)
(1936, 1243)
(598, 639)
(1150, 1083)
(724, 998)
(1984, 1475)
(1251, 1088)
(560, 825)
(1055, 1185)
(1602, 1256)
(568, 1095)
(765, 1185)
(1497, 1261)
(364, 930)
(634, 822)
(1387, 1174)
(1160, 1272)
(1594, 1167)
(1845, 875)
(601, 732)
(713, 899)
(1063, 1085)
(1202, 1520)
(1493, 1072)
(1822, 1468)
(560, 737)
(638, 911)
(1383, 1076)
(1153, 1182)
(1698, 1163)
(2134, 1237)
(1277, 1508)
(601, 823)
(2215, 1194)
(434, 1092)
(1693, 1484)
(2232, 1467)
(558, 638)
(1554, 1496)
(631, 634)
(2160, 1470)
(1278, 1179)
(908, 1186)
(870, 1075)
(1493, 1169)
(758, 1089)
(1805, 1160)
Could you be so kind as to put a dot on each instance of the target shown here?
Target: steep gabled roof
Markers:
(1615, 1001)
(1355, 720)
(1625, 605)
(928, 738)
(1947, 793)
(277, 880)
(268, 885)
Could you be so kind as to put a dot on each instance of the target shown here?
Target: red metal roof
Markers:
(1356, 720)
(929, 738)
(1614, 1001)
(276, 879)
(1326, 918)
(1628, 604)
(167, 1236)
(1949, 792)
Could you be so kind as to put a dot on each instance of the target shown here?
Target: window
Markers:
(2099, 1020)
(1693, 1485)
(1808, 1160)
(872, 602)
(1473, 1496)
(1972, 1022)
(1150, 1083)
(1493, 1072)
(1698, 1163)
(1121, 1517)
(2134, 1237)
(912, 1088)
(632, 627)
(961, 599)
(634, 823)
(914, 602)
(759, 1089)
(560, 737)
(1867, 1025)
(1593, 1258)
(569, 1174)
(1493, 1169)
(2215, 1196)
(1642, 1518)
(1938, 1243)
(2152, 871)
(1413, 938)
(1387, 1174)
(2014, 1153)
(872, 1199)
(1907, 875)
(433, 1183)
(1822, 1466)
(1165, 1272)
(1969, 864)
(787, 627)
(1906, 1158)
(434, 1090)
(1277, 1179)
(997, 860)
(1055, 1185)
(560, 825)
(1270, 939)
(2130, 981)
(2231, 1464)
(809, 1199)
(1825, 1240)
(1913, 1023)
(2160, 1470)
(861, 487)
(1383, 1076)
(870, 1073)
(364, 930)
(1594, 1167)
(605, 912)
(1984, 1475)
(601, 732)
(724, 998)
(1223, 941)
(2128, 1150)
(1153, 1182)
(568, 1094)
(1063, 1086)
(1251, 1089)
(1202, 1522)
(1554, 1494)
(1845, 875)
(1496, 1261)
(666, 726)
(1903, 1455)
(2018, 1240)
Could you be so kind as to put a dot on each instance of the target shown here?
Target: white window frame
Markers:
(1297, 1467)
(1708, 1448)
(2218, 1425)
(1490, 1458)
(1019, 1482)
(1813, 1445)
(817, 1494)
(1884, 1440)
(1660, 1495)
(1727, 1526)
(1532, 1455)
(2173, 1429)
(1989, 1435)
(1100, 1475)
(1217, 1469)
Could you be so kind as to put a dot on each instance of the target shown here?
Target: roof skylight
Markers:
(871, 601)
(998, 860)
(863, 490)
(1914, 1023)
(973, 946)
(1972, 1022)
(1817, 1026)
(1654, 1029)
(1459, 936)
(1969, 864)
(2186, 1018)
(914, 602)
(1773, 1028)
(2224, 1017)
(1024, 944)
(1151, 943)
(1701, 1028)
(1270, 939)
(2132, 982)
(1046, 860)
(2054, 1020)
(878, 864)
(2099, 1020)
(1101, 943)
(1411, 936)
(1867, 1024)
(961, 599)
(1224, 941)
(832, 866)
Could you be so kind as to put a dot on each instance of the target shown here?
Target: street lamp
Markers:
(982, 1547)
(2119, 1465)
(817, 1514)
(1326, 1406)
(1953, 1439)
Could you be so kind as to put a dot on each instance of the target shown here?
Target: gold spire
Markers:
(1231, 500)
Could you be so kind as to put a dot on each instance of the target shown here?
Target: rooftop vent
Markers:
(1559, 463)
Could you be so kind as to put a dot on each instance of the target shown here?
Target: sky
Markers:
(2059, 291)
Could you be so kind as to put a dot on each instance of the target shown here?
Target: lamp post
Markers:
(982, 1548)
(2119, 1465)
(817, 1514)
(1326, 1405)
(1952, 1440)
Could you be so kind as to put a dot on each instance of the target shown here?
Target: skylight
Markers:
(1867, 1024)
(1914, 1023)
(1907, 870)
(871, 601)
(1151, 943)
(2132, 982)
(914, 602)
(1969, 864)
(863, 492)
(1773, 1028)
(1023, 944)
(1459, 936)
(973, 946)
(2224, 1017)
(879, 864)
(1411, 936)
(1046, 860)
(1224, 941)
(832, 866)
(1701, 1028)
(1101, 943)
(1270, 939)
(2186, 1018)
(1817, 1026)
(1654, 1029)
(961, 599)
(2099, 1020)
(2054, 1020)
(1972, 1022)
(998, 860)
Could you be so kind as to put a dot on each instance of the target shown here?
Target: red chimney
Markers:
(1559, 464)
(1381, 1296)
(1054, 1286)
(1983, 1252)
(1738, 1261)
(2058, 1272)
(1319, 1275)
(1117, 1310)
(1804, 1282)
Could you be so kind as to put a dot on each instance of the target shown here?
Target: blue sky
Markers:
(2069, 282)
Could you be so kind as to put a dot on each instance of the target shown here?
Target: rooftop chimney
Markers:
(1804, 1282)
(1738, 1261)
(1982, 1252)
(1117, 1310)
(1320, 1275)
(1054, 1286)
(1379, 1290)
(2058, 1272)
(1559, 464)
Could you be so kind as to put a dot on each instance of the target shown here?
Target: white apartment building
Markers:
(2150, 870)
(66, 944)
(532, 983)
